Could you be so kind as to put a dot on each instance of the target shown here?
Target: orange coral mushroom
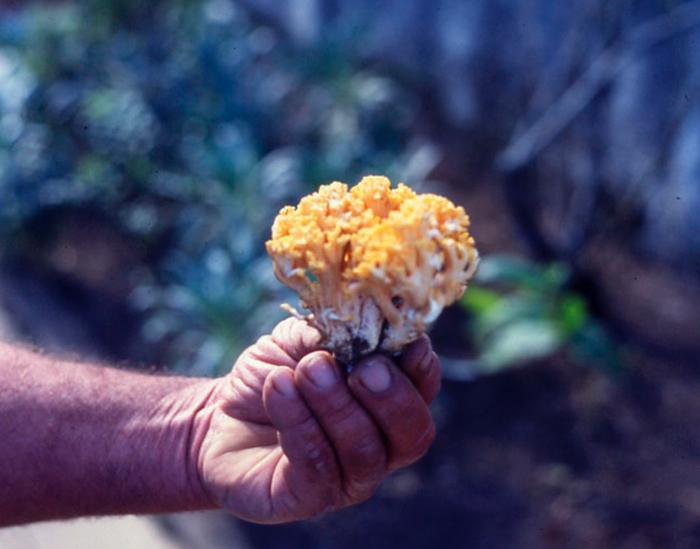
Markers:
(374, 264)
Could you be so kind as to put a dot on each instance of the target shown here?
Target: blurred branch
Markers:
(526, 145)
(572, 51)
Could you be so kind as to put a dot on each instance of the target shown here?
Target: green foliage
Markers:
(521, 311)
(189, 126)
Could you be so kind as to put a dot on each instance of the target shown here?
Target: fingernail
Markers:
(322, 373)
(284, 385)
(375, 376)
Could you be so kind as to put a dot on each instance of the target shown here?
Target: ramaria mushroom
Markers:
(375, 265)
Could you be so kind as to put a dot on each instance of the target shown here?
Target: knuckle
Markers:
(306, 424)
(282, 331)
(314, 449)
(368, 446)
(366, 456)
(299, 338)
(268, 351)
(319, 459)
(300, 420)
(245, 380)
(341, 409)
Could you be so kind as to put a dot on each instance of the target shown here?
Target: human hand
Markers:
(285, 437)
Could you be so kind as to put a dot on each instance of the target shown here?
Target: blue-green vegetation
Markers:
(522, 311)
(189, 126)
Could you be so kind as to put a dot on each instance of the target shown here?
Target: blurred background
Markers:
(145, 148)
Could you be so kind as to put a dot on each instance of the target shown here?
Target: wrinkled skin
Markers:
(278, 447)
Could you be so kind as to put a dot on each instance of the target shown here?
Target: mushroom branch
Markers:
(375, 265)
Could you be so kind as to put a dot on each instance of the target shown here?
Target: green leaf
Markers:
(478, 300)
(509, 309)
(573, 313)
(520, 342)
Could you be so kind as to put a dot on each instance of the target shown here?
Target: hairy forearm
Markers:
(78, 439)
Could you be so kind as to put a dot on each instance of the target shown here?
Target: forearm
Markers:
(78, 439)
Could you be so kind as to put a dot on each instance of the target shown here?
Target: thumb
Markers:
(297, 338)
